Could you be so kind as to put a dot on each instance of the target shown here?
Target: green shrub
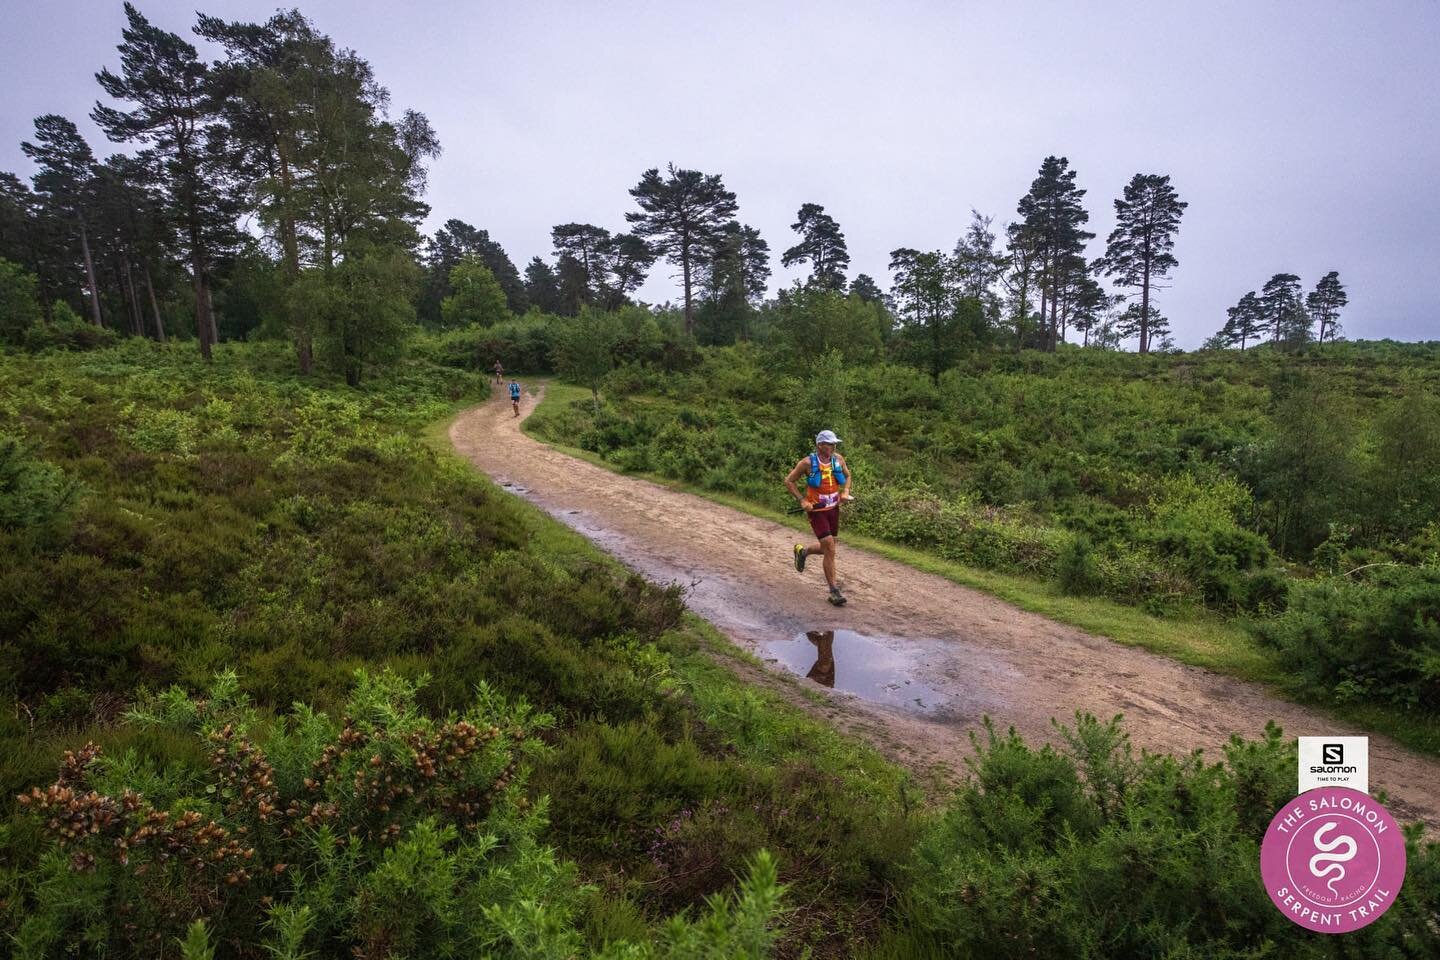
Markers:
(1076, 569)
(35, 496)
(389, 830)
(67, 331)
(163, 430)
(386, 834)
(19, 302)
(1376, 638)
(1093, 852)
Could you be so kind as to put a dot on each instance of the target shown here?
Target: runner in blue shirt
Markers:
(515, 396)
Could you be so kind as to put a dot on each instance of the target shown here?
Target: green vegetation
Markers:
(172, 521)
(1211, 490)
(308, 583)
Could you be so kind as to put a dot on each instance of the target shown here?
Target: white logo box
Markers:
(1335, 762)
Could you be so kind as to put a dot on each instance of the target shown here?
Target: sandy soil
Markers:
(977, 653)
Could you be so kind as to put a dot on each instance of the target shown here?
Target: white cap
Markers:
(826, 436)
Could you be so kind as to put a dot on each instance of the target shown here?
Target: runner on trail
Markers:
(515, 396)
(499, 372)
(827, 485)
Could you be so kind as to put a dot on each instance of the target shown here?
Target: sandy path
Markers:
(977, 654)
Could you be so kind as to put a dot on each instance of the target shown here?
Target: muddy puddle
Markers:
(854, 663)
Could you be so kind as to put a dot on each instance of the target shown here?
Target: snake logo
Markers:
(1328, 857)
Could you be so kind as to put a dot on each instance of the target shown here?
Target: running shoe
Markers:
(836, 597)
(799, 558)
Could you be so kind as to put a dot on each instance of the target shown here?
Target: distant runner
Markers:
(499, 372)
(827, 485)
(514, 396)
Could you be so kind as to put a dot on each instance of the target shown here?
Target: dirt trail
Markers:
(976, 654)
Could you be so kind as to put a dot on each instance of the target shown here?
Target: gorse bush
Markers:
(387, 834)
(1376, 638)
(1093, 852)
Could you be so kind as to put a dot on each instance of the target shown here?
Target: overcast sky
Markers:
(1305, 136)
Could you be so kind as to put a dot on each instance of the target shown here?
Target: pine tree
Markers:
(1244, 322)
(1134, 322)
(821, 245)
(1278, 299)
(168, 85)
(1138, 250)
(865, 287)
(542, 290)
(581, 244)
(1325, 303)
(925, 291)
(1020, 280)
(681, 214)
(622, 261)
(734, 281)
(454, 242)
(1053, 217)
(308, 131)
(66, 181)
(34, 235)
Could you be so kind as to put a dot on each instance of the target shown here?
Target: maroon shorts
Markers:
(825, 523)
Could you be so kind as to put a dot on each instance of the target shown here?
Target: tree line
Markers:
(275, 190)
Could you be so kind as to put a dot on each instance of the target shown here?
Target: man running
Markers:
(499, 372)
(827, 485)
(515, 396)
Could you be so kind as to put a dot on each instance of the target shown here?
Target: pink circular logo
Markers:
(1333, 860)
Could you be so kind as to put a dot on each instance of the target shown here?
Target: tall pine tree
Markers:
(1278, 299)
(1138, 251)
(1053, 218)
(681, 214)
(173, 108)
(1325, 303)
(66, 182)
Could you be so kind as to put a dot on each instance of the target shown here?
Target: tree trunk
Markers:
(1044, 311)
(137, 316)
(95, 317)
(210, 311)
(1145, 303)
(202, 306)
(290, 247)
(204, 323)
(154, 305)
(685, 269)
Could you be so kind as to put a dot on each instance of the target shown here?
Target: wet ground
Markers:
(918, 661)
(880, 670)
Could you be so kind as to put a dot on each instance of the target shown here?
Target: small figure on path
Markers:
(827, 485)
(514, 396)
(499, 372)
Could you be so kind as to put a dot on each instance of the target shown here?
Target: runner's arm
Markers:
(845, 494)
(790, 483)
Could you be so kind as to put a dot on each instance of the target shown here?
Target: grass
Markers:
(1199, 640)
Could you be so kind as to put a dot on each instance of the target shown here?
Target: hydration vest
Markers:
(836, 467)
(514, 391)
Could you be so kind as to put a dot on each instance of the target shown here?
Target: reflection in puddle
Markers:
(850, 661)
